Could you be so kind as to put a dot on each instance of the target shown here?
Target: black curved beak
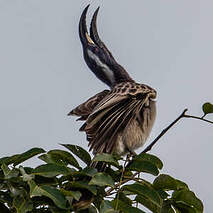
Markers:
(94, 34)
(98, 58)
(83, 34)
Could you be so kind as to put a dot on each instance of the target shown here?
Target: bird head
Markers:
(98, 58)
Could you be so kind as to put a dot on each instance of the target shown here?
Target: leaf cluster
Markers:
(61, 184)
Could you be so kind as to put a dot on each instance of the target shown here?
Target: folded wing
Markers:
(86, 108)
(111, 116)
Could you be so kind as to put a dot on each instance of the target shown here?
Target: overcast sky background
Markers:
(167, 44)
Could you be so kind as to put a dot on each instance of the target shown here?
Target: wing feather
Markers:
(111, 116)
(86, 108)
(107, 129)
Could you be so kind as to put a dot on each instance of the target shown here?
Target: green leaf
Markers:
(181, 185)
(52, 159)
(143, 166)
(92, 209)
(177, 210)
(181, 207)
(124, 198)
(189, 198)
(41, 180)
(54, 194)
(88, 171)
(27, 169)
(148, 203)
(9, 160)
(9, 173)
(27, 155)
(5, 169)
(165, 182)
(106, 207)
(22, 205)
(75, 194)
(54, 209)
(108, 158)
(151, 158)
(25, 176)
(64, 156)
(167, 207)
(207, 108)
(14, 189)
(133, 210)
(82, 185)
(163, 194)
(80, 152)
(51, 170)
(124, 207)
(146, 195)
(116, 174)
(48, 159)
(101, 179)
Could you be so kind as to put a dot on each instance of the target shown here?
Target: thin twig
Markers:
(121, 183)
(133, 178)
(199, 118)
(119, 186)
(203, 116)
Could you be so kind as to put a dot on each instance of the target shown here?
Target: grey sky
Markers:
(165, 44)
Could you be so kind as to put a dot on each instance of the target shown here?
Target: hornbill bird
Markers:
(118, 120)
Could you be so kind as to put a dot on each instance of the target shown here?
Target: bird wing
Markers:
(111, 116)
(86, 108)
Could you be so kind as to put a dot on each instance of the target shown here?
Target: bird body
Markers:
(118, 120)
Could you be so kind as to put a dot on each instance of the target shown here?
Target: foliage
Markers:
(207, 108)
(61, 184)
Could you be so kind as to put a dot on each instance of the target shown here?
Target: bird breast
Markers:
(137, 132)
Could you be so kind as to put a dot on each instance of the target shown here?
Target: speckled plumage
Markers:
(120, 119)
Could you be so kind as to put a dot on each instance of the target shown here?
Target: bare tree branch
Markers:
(200, 118)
